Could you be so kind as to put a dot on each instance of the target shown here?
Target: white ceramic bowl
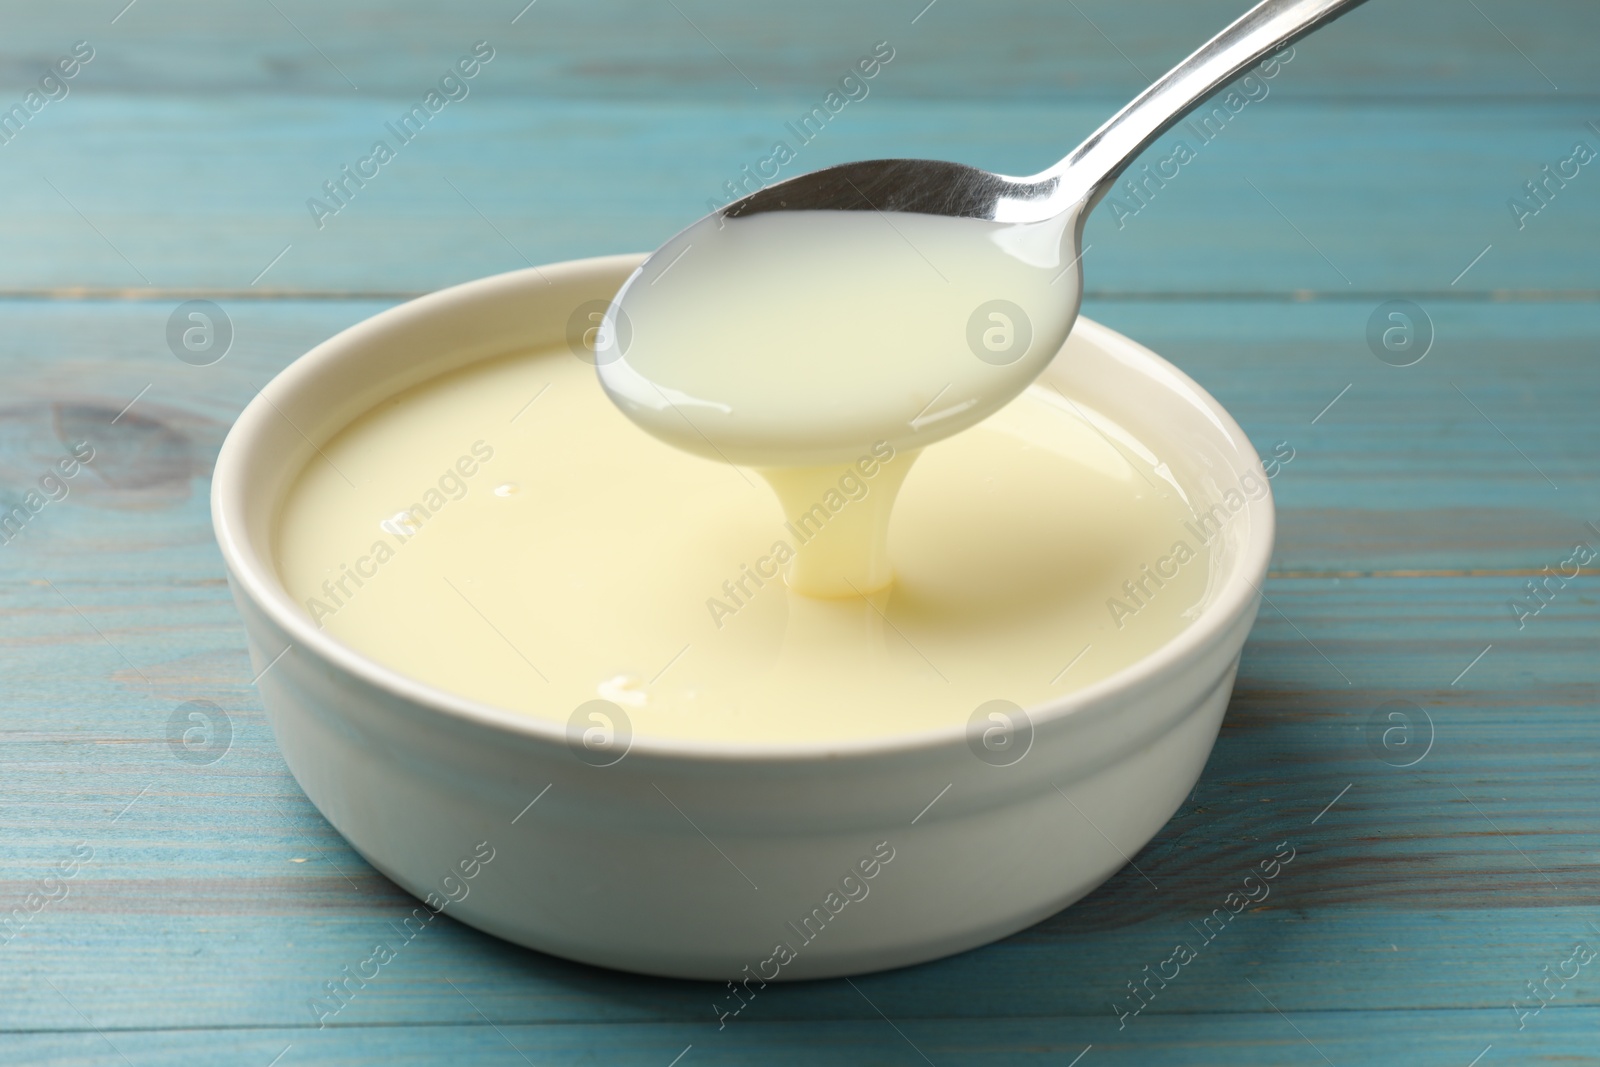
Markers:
(755, 839)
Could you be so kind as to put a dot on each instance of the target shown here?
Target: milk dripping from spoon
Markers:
(825, 328)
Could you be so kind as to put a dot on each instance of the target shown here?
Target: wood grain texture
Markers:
(1251, 1040)
(696, 49)
(1331, 198)
(1418, 503)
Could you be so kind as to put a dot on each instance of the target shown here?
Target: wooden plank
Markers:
(1401, 473)
(1559, 1036)
(1418, 956)
(210, 193)
(639, 49)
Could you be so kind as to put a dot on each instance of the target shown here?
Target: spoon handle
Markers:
(1091, 169)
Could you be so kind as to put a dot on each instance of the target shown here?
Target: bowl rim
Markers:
(256, 578)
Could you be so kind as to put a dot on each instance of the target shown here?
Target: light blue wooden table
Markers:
(160, 910)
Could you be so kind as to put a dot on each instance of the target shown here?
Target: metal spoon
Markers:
(741, 395)
(936, 188)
